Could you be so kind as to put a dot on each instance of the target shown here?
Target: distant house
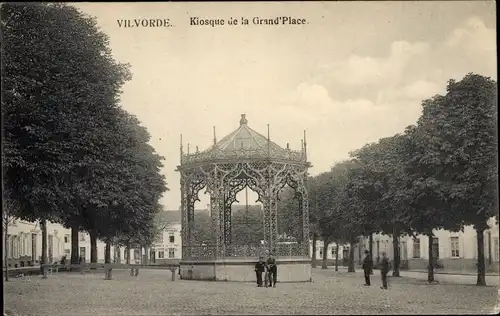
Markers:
(24, 241)
(453, 251)
(169, 245)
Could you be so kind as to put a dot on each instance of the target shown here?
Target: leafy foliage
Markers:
(71, 154)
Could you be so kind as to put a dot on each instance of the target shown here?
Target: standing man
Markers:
(384, 269)
(273, 270)
(367, 267)
(260, 267)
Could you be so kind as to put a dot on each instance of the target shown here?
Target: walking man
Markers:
(384, 269)
(273, 270)
(260, 267)
(367, 267)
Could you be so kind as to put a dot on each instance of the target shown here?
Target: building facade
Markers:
(25, 244)
(168, 247)
(454, 251)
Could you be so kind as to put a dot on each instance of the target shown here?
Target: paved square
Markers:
(153, 293)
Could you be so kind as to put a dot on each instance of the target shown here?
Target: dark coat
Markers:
(260, 266)
(384, 265)
(271, 263)
(367, 262)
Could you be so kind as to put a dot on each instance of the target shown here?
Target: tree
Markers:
(379, 182)
(332, 209)
(203, 229)
(459, 140)
(320, 206)
(9, 213)
(327, 194)
(247, 226)
(424, 198)
(61, 87)
(289, 217)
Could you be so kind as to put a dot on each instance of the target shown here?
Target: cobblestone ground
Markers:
(152, 293)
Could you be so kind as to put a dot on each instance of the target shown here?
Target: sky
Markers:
(356, 72)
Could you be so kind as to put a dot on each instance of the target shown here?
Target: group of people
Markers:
(269, 269)
(368, 268)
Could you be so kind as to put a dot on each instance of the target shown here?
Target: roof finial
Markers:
(243, 120)
(305, 146)
(215, 138)
(182, 152)
(268, 142)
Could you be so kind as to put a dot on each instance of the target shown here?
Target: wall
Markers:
(22, 254)
(330, 253)
(467, 249)
(25, 242)
(164, 247)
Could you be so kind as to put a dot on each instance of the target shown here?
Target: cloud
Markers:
(366, 70)
(473, 37)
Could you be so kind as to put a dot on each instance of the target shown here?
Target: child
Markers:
(259, 268)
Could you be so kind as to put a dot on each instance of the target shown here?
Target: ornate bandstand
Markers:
(242, 159)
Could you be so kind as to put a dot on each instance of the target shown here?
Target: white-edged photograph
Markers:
(250, 158)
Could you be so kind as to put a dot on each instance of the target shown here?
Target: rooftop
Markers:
(244, 143)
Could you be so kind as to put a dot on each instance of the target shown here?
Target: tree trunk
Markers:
(127, 256)
(93, 246)
(6, 246)
(107, 252)
(336, 256)
(43, 227)
(481, 266)
(325, 255)
(370, 249)
(430, 266)
(490, 255)
(313, 262)
(350, 267)
(395, 251)
(74, 245)
(146, 255)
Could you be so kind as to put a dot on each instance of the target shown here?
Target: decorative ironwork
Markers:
(224, 170)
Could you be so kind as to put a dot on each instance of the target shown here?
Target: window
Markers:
(67, 251)
(171, 238)
(82, 236)
(161, 254)
(321, 253)
(66, 238)
(334, 251)
(171, 253)
(137, 255)
(416, 248)
(454, 247)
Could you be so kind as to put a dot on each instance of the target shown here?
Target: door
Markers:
(83, 254)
